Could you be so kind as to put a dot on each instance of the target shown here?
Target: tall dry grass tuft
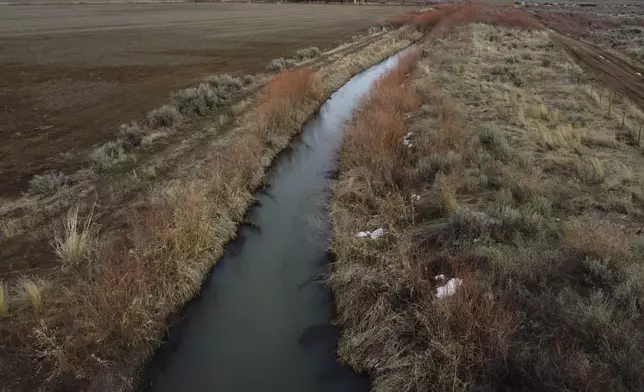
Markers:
(77, 240)
(4, 299)
(9, 228)
(33, 291)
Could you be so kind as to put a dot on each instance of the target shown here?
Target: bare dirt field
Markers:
(70, 74)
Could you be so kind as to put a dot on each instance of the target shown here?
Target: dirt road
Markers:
(623, 76)
(70, 74)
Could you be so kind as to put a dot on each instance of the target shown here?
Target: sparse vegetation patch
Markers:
(307, 53)
(109, 154)
(279, 64)
(47, 183)
(76, 241)
(166, 116)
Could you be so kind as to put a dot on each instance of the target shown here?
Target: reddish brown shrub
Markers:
(390, 100)
(473, 12)
(292, 85)
(444, 17)
(289, 90)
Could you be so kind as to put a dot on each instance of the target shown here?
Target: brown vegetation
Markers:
(518, 183)
(441, 18)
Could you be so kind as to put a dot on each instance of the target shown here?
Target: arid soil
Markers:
(70, 74)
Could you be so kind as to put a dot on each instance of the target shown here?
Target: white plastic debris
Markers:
(439, 277)
(378, 233)
(406, 141)
(372, 234)
(449, 288)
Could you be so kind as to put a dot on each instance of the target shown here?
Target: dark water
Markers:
(261, 322)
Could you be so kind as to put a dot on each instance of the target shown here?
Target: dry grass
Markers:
(131, 135)
(9, 228)
(33, 291)
(77, 240)
(524, 194)
(96, 328)
(276, 101)
(375, 181)
(165, 116)
(597, 239)
(307, 53)
(277, 65)
(47, 183)
(108, 155)
(4, 299)
(388, 104)
(347, 66)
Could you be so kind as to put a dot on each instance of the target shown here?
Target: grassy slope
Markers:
(529, 192)
(94, 328)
